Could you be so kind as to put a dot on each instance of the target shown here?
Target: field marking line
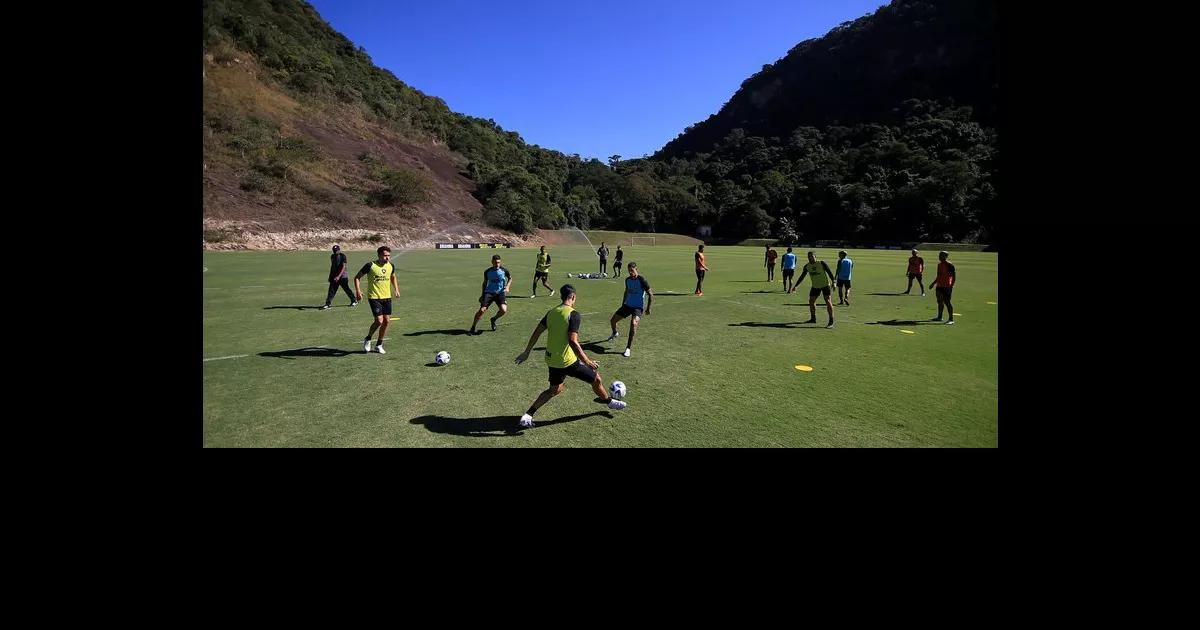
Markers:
(232, 356)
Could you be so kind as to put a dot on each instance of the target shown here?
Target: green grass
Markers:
(710, 371)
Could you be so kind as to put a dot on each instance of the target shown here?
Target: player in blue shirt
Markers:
(844, 267)
(496, 282)
(637, 296)
(789, 270)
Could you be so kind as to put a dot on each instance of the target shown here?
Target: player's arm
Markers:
(573, 324)
(649, 295)
(537, 332)
(953, 276)
(483, 287)
(357, 285)
(803, 272)
(340, 271)
(510, 279)
(573, 339)
(395, 285)
(828, 272)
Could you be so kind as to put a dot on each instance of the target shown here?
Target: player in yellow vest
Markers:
(380, 291)
(822, 278)
(542, 271)
(564, 355)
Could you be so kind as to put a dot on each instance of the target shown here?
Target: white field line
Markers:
(238, 356)
(232, 356)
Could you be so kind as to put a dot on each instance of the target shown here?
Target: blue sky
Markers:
(587, 77)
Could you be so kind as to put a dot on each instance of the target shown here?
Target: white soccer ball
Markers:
(570, 276)
(617, 390)
(604, 275)
(442, 358)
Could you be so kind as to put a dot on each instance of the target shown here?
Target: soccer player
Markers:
(769, 261)
(338, 277)
(822, 277)
(496, 283)
(382, 289)
(844, 266)
(944, 283)
(564, 356)
(637, 293)
(916, 267)
(617, 262)
(603, 254)
(789, 270)
(700, 269)
(542, 271)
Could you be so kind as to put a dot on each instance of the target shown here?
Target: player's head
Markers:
(543, 248)
(337, 248)
(841, 254)
(812, 257)
(915, 252)
(601, 243)
(789, 250)
(943, 255)
(701, 247)
(567, 293)
(495, 260)
(384, 252)
(632, 269)
(618, 247)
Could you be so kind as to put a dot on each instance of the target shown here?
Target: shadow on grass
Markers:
(492, 426)
(306, 352)
(595, 348)
(779, 324)
(298, 308)
(903, 322)
(444, 331)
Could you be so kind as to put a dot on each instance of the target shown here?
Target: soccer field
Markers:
(711, 371)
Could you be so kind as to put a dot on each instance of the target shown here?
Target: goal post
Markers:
(642, 240)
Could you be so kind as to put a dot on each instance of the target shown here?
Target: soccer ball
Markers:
(617, 390)
(604, 275)
(442, 358)
(570, 276)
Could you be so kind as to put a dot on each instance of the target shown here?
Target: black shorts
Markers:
(617, 263)
(626, 311)
(944, 292)
(576, 369)
(770, 265)
(487, 299)
(380, 307)
(539, 275)
(843, 283)
(914, 275)
(788, 273)
(814, 292)
(699, 274)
